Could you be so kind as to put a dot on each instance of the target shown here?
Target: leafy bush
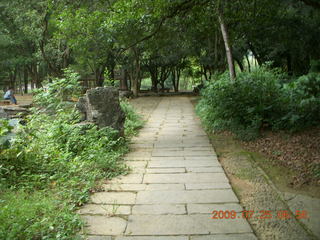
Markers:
(59, 91)
(260, 99)
(303, 106)
(54, 155)
(243, 106)
(36, 216)
(56, 151)
(133, 120)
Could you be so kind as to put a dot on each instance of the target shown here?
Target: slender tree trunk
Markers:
(135, 74)
(240, 64)
(204, 71)
(173, 75)
(178, 71)
(124, 80)
(248, 62)
(227, 45)
(154, 81)
(134, 85)
(25, 80)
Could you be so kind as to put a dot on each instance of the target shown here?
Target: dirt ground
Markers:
(258, 194)
(299, 152)
(25, 99)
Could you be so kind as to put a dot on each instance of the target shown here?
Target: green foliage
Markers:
(5, 127)
(243, 106)
(260, 100)
(303, 106)
(315, 66)
(133, 120)
(54, 155)
(59, 91)
(36, 216)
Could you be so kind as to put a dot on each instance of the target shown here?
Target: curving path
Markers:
(175, 184)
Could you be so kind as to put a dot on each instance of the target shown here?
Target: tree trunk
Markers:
(134, 86)
(135, 73)
(173, 75)
(240, 64)
(227, 45)
(178, 71)
(98, 77)
(36, 80)
(248, 62)
(153, 70)
(124, 80)
(25, 80)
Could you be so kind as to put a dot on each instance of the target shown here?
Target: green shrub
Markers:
(260, 99)
(53, 155)
(36, 216)
(303, 96)
(244, 106)
(57, 93)
(133, 120)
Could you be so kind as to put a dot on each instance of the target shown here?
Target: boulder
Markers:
(3, 113)
(101, 106)
(125, 94)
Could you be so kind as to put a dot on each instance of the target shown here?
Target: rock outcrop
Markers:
(101, 106)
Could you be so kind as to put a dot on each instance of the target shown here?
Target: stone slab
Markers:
(101, 225)
(158, 209)
(201, 158)
(137, 158)
(184, 225)
(185, 178)
(113, 198)
(167, 158)
(130, 178)
(205, 169)
(167, 154)
(198, 153)
(153, 238)
(134, 164)
(192, 196)
(98, 238)
(204, 186)
(164, 186)
(183, 163)
(124, 187)
(240, 236)
(165, 170)
(100, 209)
(209, 208)
(299, 202)
(138, 154)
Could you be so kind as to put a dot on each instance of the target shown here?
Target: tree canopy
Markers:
(157, 39)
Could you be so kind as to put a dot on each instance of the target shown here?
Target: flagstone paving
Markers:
(175, 184)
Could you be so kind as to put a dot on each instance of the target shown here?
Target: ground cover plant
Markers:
(53, 163)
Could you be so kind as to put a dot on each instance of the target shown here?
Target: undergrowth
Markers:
(261, 99)
(53, 163)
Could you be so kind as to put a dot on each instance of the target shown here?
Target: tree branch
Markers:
(180, 8)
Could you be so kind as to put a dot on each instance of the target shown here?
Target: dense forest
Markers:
(161, 40)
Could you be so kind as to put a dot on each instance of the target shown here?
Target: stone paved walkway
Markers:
(175, 184)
